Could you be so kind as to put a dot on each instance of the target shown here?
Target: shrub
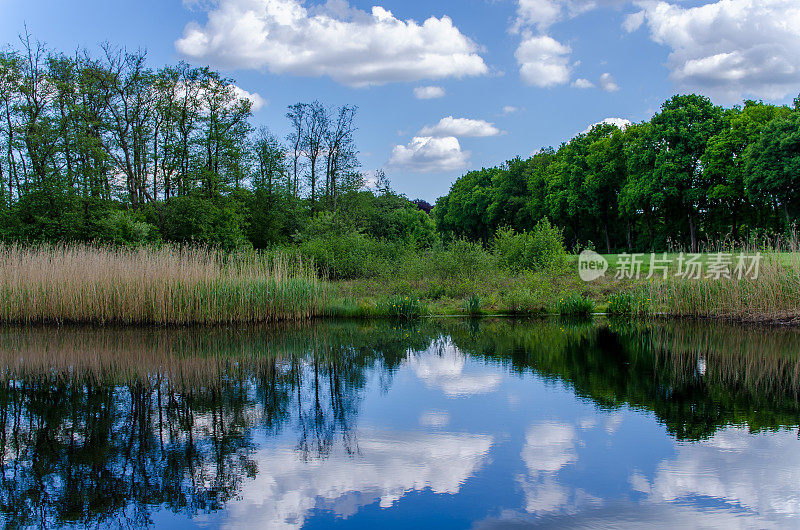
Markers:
(620, 304)
(124, 228)
(192, 218)
(540, 248)
(352, 255)
(460, 258)
(522, 301)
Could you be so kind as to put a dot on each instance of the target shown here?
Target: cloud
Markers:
(729, 48)
(436, 147)
(429, 92)
(350, 46)
(618, 122)
(607, 83)
(287, 487)
(509, 109)
(434, 418)
(426, 154)
(549, 448)
(539, 13)
(543, 61)
(449, 372)
(633, 21)
(257, 101)
(544, 13)
(461, 128)
(757, 472)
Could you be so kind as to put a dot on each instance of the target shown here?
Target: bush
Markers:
(124, 228)
(458, 259)
(540, 248)
(352, 255)
(193, 218)
(620, 304)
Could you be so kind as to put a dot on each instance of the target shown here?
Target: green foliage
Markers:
(695, 173)
(195, 219)
(541, 248)
(575, 305)
(627, 304)
(473, 305)
(124, 228)
(773, 166)
(403, 307)
(350, 255)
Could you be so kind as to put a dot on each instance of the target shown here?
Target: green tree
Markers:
(773, 166)
(725, 165)
(681, 132)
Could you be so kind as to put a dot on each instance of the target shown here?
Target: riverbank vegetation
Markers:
(149, 285)
(134, 194)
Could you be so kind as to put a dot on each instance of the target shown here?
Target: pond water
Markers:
(445, 423)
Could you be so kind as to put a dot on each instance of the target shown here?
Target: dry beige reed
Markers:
(154, 285)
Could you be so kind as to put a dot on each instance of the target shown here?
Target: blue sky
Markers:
(514, 75)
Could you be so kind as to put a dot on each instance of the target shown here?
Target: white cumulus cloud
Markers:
(607, 83)
(256, 99)
(460, 127)
(729, 48)
(582, 83)
(350, 46)
(450, 372)
(427, 154)
(543, 61)
(429, 92)
(544, 13)
(389, 466)
(619, 122)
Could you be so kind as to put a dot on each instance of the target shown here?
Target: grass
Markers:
(575, 305)
(154, 285)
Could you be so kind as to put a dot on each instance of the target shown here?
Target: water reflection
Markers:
(498, 422)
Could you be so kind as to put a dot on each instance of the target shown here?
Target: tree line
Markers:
(106, 147)
(695, 172)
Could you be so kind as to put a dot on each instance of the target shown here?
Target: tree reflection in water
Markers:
(100, 425)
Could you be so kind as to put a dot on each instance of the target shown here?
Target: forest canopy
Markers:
(696, 171)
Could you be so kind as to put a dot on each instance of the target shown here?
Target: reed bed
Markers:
(772, 296)
(169, 285)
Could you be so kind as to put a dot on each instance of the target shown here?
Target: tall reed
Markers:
(154, 285)
(774, 295)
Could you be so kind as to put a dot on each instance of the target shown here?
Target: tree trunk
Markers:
(692, 232)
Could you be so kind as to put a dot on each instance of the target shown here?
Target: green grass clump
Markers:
(575, 305)
(473, 305)
(627, 303)
(403, 307)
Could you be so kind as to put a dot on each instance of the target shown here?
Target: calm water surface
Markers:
(451, 424)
